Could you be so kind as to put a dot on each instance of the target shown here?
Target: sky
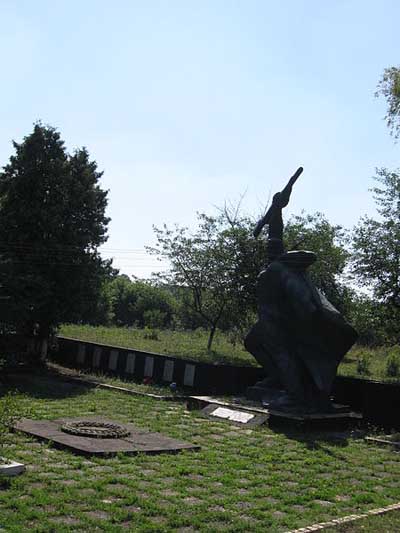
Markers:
(186, 105)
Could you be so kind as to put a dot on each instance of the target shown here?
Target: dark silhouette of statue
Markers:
(300, 338)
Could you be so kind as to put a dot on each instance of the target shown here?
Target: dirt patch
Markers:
(169, 492)
(37, 485)
(342, 498)
(324, 503)
(67, 520)
(191, 500)
(67, 482)
(97, 515)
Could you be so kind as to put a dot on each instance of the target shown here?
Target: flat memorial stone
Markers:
(385, 440)
(235, 415)
(10, 468)
(138, 441)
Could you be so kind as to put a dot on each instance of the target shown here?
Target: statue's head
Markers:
(298, 260)
(277, 200)
(274, 249)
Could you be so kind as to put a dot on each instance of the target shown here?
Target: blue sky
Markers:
(188, 104)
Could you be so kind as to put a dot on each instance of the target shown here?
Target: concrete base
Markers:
(234, 415)
(11, 468)
(274, 401)
(260, 394)
(138, 441)
(384, 440)
(341, 413)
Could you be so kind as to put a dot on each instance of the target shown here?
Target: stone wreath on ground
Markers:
(93, 429)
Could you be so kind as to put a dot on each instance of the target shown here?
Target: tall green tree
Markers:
(208, 263)
(52, 221)
(315, 233)
(389, 88)
(376, 244)
(217, 265)
(140, 303)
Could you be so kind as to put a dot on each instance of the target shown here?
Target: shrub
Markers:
(10, 412)
(363, 365)
(154, 318)
(393, 363)
(151, 334)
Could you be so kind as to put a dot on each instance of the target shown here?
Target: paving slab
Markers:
(341, 413)
(10, 468)
(138, 441)
(385, 440)
(234, 414)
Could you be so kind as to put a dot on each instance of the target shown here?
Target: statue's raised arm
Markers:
(299, 338)
(274, 213)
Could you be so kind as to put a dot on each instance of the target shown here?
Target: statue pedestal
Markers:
(342, 415)
(279, 407)
(258, 394)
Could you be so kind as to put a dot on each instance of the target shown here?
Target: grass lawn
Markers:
(101, 377)
(185, 344)
(241, 480)
(370, 363)
(192, 344)
(387, 523)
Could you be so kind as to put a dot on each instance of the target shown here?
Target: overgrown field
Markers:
(381, 363)
(241, 480)
(186, 344)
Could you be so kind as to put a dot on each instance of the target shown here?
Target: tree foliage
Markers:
(389, 88)
(52, 221)
(213, 265)
(376, 244)
(315, 233)
(140, 303)
(215, 268)
(371, 320)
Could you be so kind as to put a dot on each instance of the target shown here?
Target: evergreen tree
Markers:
(52, 221)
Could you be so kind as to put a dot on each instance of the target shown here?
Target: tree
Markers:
(209, 265)
(370, 319)
(315, 233)
(389, 88)
(215, 268)
(52, 221)
(376, 244)
(140, 303)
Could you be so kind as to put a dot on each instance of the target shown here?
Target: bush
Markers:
(10, 412)
(369, 320)
(363, 365)
(151, 334)
(140, 303)
(393, 363)
(154, 318)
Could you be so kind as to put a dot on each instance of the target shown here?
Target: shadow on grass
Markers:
(5, 483)
(325, 439)
(43, 386)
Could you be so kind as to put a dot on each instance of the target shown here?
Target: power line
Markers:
(70, 248)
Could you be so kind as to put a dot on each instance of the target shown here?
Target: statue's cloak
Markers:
(323, 344)
(315, 332)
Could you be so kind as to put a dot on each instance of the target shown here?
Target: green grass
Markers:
(185, 344)
(241, 480)
(101, 377)
(371, 363)
(362, 362)
(387, 523)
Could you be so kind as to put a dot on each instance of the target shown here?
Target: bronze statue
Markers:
(300, 338)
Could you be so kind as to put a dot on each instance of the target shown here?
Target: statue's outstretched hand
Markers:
(284, 196)
(279, 201)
